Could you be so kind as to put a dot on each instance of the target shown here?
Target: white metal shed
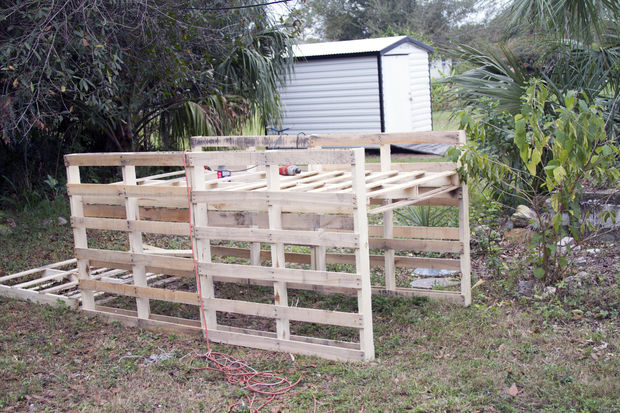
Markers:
(370, 85)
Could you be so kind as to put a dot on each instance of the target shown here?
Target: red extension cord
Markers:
(265, 386)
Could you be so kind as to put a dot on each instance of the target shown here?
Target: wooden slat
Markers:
(292, 200)
(169, 265)
(38, 269)
(446, 233)
(249, 141)
(36, 297)
(121, 191)
(327, 278)
(173, 296)
(415, 166)
(294, 345)
(155, 227)
(125, 158)
(362, 259)
(448, 296)
(334, 239)
(413, 201)
(55, 276)
(281, 157)
(357, 139)
(309, 315)
(417, 245)
(410, 184)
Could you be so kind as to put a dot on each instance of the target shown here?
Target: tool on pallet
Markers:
(289, 170)
(221, 171)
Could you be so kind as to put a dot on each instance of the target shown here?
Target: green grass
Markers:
(431, 357)
(445, 121)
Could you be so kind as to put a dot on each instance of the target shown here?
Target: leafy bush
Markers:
(556, 154)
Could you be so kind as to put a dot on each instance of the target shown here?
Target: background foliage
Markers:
(118, 75)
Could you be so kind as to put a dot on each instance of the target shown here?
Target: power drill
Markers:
(289, 170)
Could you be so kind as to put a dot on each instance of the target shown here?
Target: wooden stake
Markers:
(362, 259)
(388, 226)
(79, 236)
(199, 217)
(277, 253)
(135, 241)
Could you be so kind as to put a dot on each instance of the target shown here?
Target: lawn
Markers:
(504, 353)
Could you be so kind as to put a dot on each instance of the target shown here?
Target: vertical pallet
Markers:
(272, 200)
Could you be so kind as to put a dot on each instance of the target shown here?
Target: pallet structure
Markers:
(314, 224)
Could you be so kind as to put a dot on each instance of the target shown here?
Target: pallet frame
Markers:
(326, 206)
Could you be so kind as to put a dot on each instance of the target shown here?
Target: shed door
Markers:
(396, 93)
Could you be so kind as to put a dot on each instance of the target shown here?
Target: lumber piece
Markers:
(445, 233)
(176, 264)
(362, 259)
(80, 239)
(38, 269)
(334, 239)
(455, 247)
(357, 139)
(125, 158)
(412, 201)
(36, 297)
(410, 184)
(448, 296)
(326, 278)
(199, 216)
(127, 225)
(265, 158)
(235, 336)
(249, 141)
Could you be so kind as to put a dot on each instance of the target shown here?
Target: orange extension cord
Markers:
(265, 386)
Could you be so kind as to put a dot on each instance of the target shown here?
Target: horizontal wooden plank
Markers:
(122, 191)
(447, 233)
(309, 315)
(173, 296)
(448, 296)
(36, 297)
(42, 268)
(275, 141)
(151, 227)
(234, 336)
(311, 277)
(292, 221)
(265, 198)
(333, 258)
(153, 263)
(146, 213)
(356, 139)
(125, 158)
(275, 157)
(322, 238)
(427, 180)
(414, 166)
(416, 245)
(414, 200)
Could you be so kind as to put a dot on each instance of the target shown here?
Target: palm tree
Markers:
(581, 51)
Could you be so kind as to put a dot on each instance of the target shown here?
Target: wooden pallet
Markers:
(325, 209)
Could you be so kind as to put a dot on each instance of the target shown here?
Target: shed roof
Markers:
(380, 45)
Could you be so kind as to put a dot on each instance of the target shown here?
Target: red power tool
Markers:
(289, 170)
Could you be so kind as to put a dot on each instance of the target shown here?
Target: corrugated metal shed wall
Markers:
(333, 95)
